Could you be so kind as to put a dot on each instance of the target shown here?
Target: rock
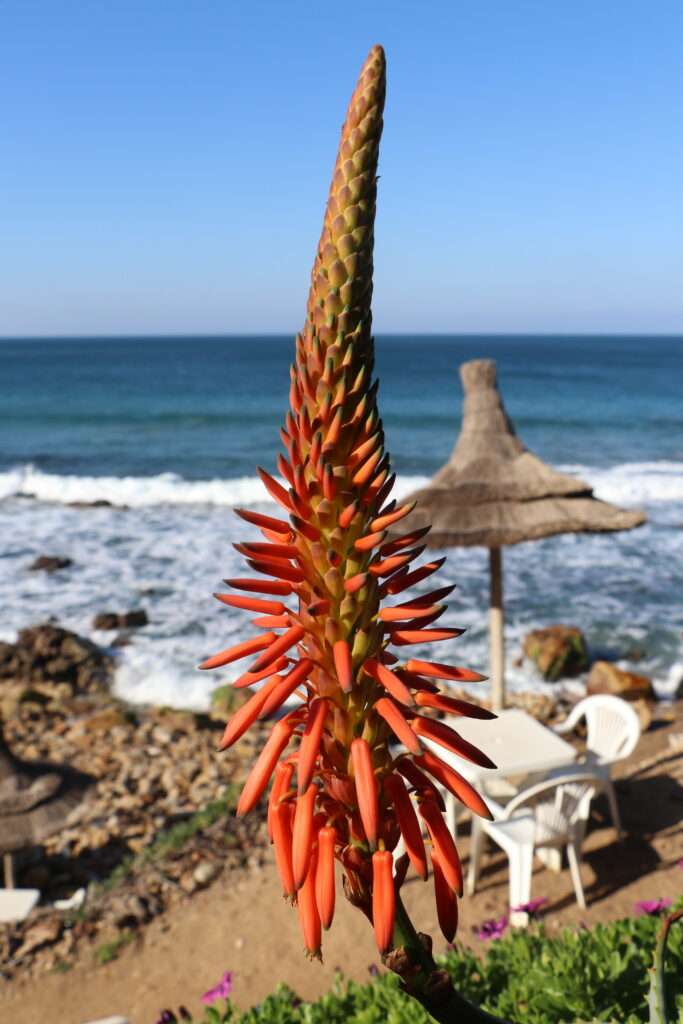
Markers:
(557, 651)
(121, 620)
(50, 563)
(540, 706)
(187, 882)
(34, 695)
(97, 503)
(44, 932)
(104, 720)
(128, 911)
(645, 711)
(134, 619)
(48, 654)
(106, 620)
(162, 737)
(604, 677)
(9, 660)
(205, 872)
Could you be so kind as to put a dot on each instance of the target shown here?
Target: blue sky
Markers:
(165, 164)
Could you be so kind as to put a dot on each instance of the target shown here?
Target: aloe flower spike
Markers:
(329, 562)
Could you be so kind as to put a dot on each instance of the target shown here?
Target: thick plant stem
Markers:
(411, 958)
(657, 994)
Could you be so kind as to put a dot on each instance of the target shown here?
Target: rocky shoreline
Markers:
(158, 825)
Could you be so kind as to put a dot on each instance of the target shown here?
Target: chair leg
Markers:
(521, 863)
(574, 858)
(551, 856)
(476, 845)
(614, 807)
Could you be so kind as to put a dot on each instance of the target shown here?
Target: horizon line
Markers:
(125, 336)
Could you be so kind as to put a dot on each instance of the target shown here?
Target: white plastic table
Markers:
(517, 743)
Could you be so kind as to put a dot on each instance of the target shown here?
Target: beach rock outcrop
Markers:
(50, 563)
(121, 620)
(557, 651)
(48, 655)
(605, 677)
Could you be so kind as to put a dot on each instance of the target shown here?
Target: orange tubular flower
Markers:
(282, 841)
(446, 900)
(322, 571)
(302, 839)
(383, 899)
(309, 918)
(324, 878)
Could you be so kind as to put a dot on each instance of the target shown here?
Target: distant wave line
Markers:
(628, 483)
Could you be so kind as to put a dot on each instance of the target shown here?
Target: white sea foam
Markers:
(633, 483)
(172, 546)
(133, 491)
(142, 491)
(630, 483)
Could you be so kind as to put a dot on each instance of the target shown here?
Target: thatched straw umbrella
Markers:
(36, 799)
(494, 491)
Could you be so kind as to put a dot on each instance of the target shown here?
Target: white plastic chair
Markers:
(613, 731)
(549, 814)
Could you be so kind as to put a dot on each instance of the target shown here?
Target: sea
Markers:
(168, 432)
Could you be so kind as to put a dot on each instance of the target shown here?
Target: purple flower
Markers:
(491, 929)
(373, 970)
(680, 863)
(220, 991)
(652, 906)
(532, 906)
(167, 1017)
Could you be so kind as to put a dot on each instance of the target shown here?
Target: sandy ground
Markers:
(241, 923)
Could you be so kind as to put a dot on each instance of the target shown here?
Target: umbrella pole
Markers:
(9, 871)
(496, 630)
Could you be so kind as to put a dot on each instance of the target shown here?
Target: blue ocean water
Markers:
(169, 431)
(211, 407)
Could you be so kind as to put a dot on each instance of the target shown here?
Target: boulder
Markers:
(50, 563)
(557, 651)
(121, 620)
(106, 620)
(604, 677)
(44, 932)
(48, 654)
(645, 710)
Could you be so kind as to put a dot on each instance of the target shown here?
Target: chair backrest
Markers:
(560, 806)
(613, 727)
